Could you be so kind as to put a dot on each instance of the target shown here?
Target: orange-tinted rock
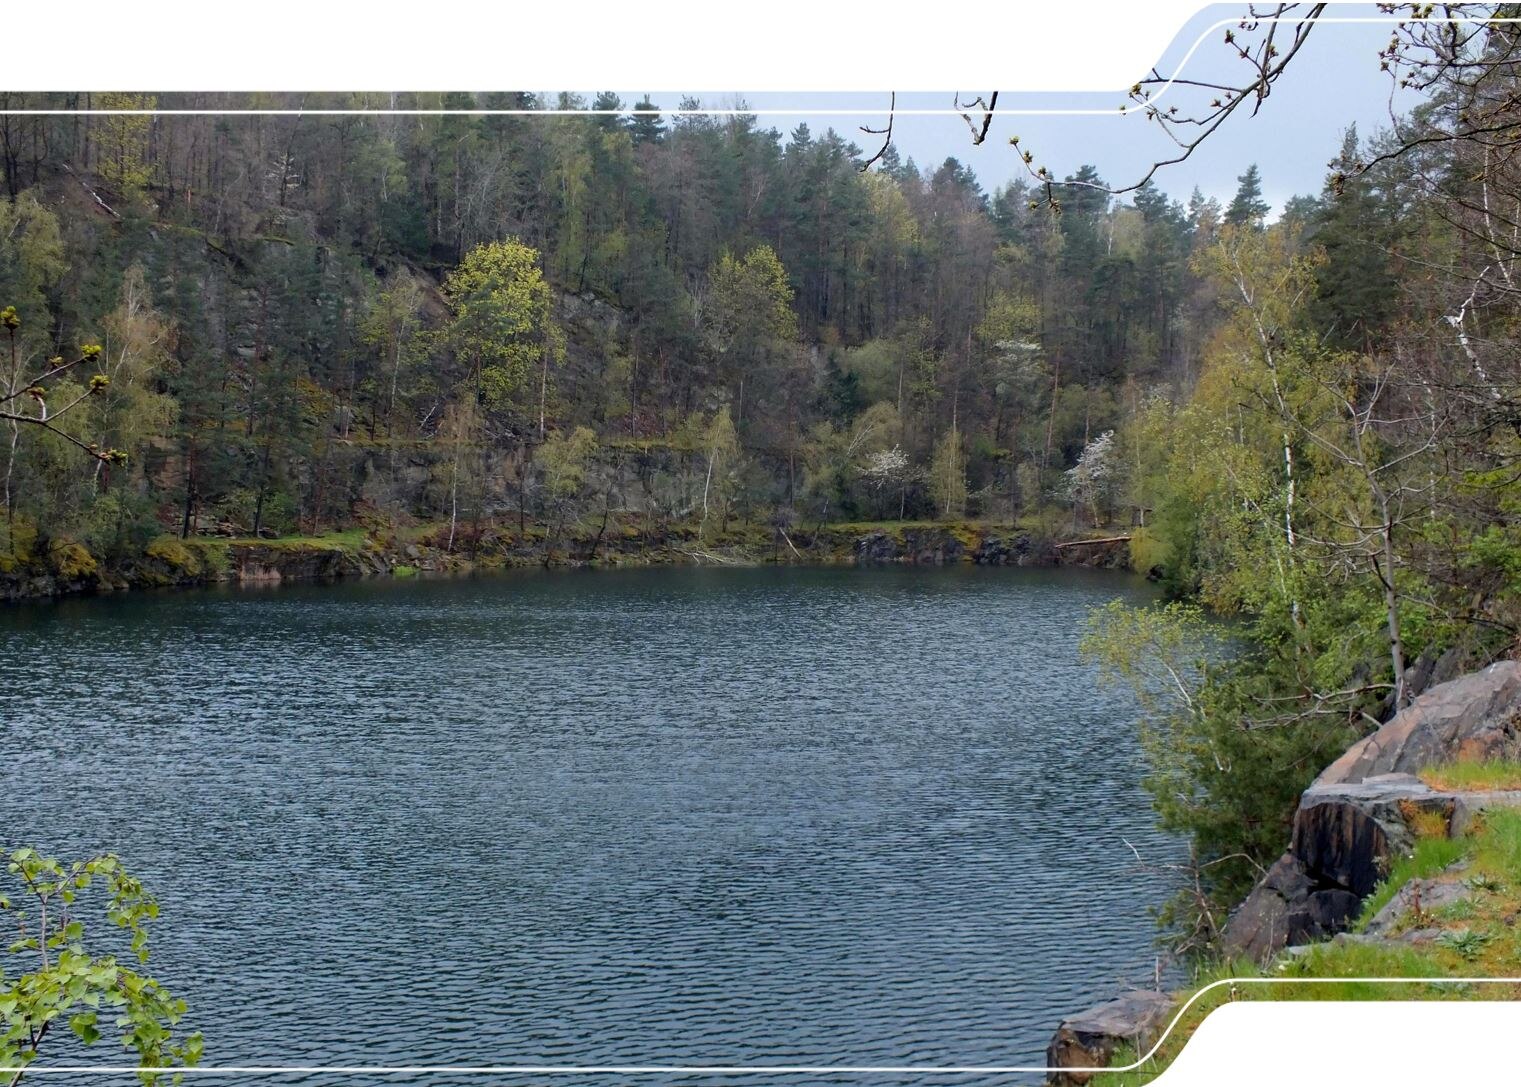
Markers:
(1474, 716)
(1358, 812)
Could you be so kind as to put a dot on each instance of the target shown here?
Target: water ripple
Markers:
(715, 816)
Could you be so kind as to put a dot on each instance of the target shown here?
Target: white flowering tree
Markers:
(1095, 479)
(888, 468)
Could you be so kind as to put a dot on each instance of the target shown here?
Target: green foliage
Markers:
(216, 556)
(1499, 845)
(721, 451)
(66, 976)
(1431, 855)
(392, 328)
(1468, 943)
(322, 317)
(748, 320)
(71, 560)
(1148, 551)
(276, 514)
(1288, 490)
(1356, 229)
(947, 475)
(500, 318)
(32, 258)
(750, 300)
(1227, 754)
(564, 459)
(173, 552)
(123, 141)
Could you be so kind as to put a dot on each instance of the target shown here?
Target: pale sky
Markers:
(1334, 81)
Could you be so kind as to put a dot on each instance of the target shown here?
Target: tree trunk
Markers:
(453, 497)
(601, 529)
(189, 517)
(258, 521)
(1391, 601)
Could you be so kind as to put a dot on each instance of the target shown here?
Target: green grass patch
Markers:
(1498, 850)
(866, 528)
(1468, 775)
(970, 533)
(403, 571)
(675, 443)
(353, 539)
(1351, 960)
(173, 552)
(1478, 938)
(1330, 971)
(1461, 910)
(1429, 857)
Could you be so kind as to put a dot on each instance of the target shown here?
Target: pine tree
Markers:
(1150, 201)
(1248, 208)
(606, 107)
(646, 126)
(1355, 290)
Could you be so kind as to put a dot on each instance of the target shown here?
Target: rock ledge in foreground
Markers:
(1089, 1039)
(1359, 812)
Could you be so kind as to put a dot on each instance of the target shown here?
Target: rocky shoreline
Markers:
(1364, 810)
(172, 562)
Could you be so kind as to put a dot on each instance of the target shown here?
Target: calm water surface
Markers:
(647, 816)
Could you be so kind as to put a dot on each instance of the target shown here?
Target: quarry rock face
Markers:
(1286, 907)
(1344, 833)
(1474, 716)
(936, 546)
(1419, 895)
(1355, 817)
(1361, 810)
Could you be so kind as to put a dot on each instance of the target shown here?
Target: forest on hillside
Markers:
(487, 326)
(302, 316)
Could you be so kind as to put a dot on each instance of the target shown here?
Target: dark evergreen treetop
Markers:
(1247, 208)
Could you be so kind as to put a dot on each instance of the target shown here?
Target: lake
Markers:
(696, 816)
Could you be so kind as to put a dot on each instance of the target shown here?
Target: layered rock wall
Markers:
(1361, 810)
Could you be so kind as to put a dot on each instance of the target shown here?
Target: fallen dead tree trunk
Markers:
(1093, 542)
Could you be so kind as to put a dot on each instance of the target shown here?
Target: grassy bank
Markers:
(1469, 931)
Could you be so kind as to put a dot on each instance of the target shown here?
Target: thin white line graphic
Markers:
(739, 1069)
(877, 111)
(717, 1069)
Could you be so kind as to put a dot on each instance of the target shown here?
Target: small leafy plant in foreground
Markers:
(1468, 943)
(66, 981)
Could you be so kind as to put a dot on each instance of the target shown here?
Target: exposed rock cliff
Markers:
(937, 545)
(1359, 812)
(934, 545)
